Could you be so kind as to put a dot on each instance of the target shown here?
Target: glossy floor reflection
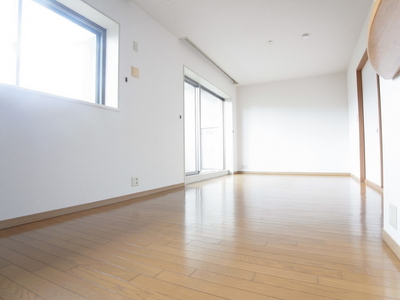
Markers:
(234, 237)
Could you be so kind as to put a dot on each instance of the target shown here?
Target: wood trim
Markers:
(73, 209)
(391, 243)
(293, 173)
(361, 129)
(361, 122)
(363, 61)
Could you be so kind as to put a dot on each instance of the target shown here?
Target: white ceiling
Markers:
(235, 34)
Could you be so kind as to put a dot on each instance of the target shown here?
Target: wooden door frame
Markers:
(380, 125)
(361, 128)
(361, 120)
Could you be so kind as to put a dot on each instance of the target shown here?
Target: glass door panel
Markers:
(212, 142)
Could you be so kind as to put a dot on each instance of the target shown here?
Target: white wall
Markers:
(390, 97)
(294, 126)
(390, 103)
(372, 130)
(58, 153)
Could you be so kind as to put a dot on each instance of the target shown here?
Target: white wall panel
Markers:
(294, 126)
(371, 125)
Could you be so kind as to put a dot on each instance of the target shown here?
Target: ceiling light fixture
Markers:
(305, 36)
(270, 42)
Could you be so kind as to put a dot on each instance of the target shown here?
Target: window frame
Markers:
(82, 21)
(196, 84)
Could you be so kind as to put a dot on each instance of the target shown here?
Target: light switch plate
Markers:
(135, 46)
(135, 72)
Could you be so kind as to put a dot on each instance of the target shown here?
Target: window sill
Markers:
(22, 92)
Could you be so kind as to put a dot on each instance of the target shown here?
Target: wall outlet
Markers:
(134, 181)
(393, 215)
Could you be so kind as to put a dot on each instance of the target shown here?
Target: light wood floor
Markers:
(237, 237)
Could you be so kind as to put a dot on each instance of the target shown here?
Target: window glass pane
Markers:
(212, 143)
(8, 40)
(58, 59)
(190, 129)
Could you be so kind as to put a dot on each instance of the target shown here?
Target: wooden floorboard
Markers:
(237, 237)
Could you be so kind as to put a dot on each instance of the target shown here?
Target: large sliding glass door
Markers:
(204, 138)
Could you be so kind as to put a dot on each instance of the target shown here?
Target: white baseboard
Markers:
(355, 177)
(374, 185)
(391, 243)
